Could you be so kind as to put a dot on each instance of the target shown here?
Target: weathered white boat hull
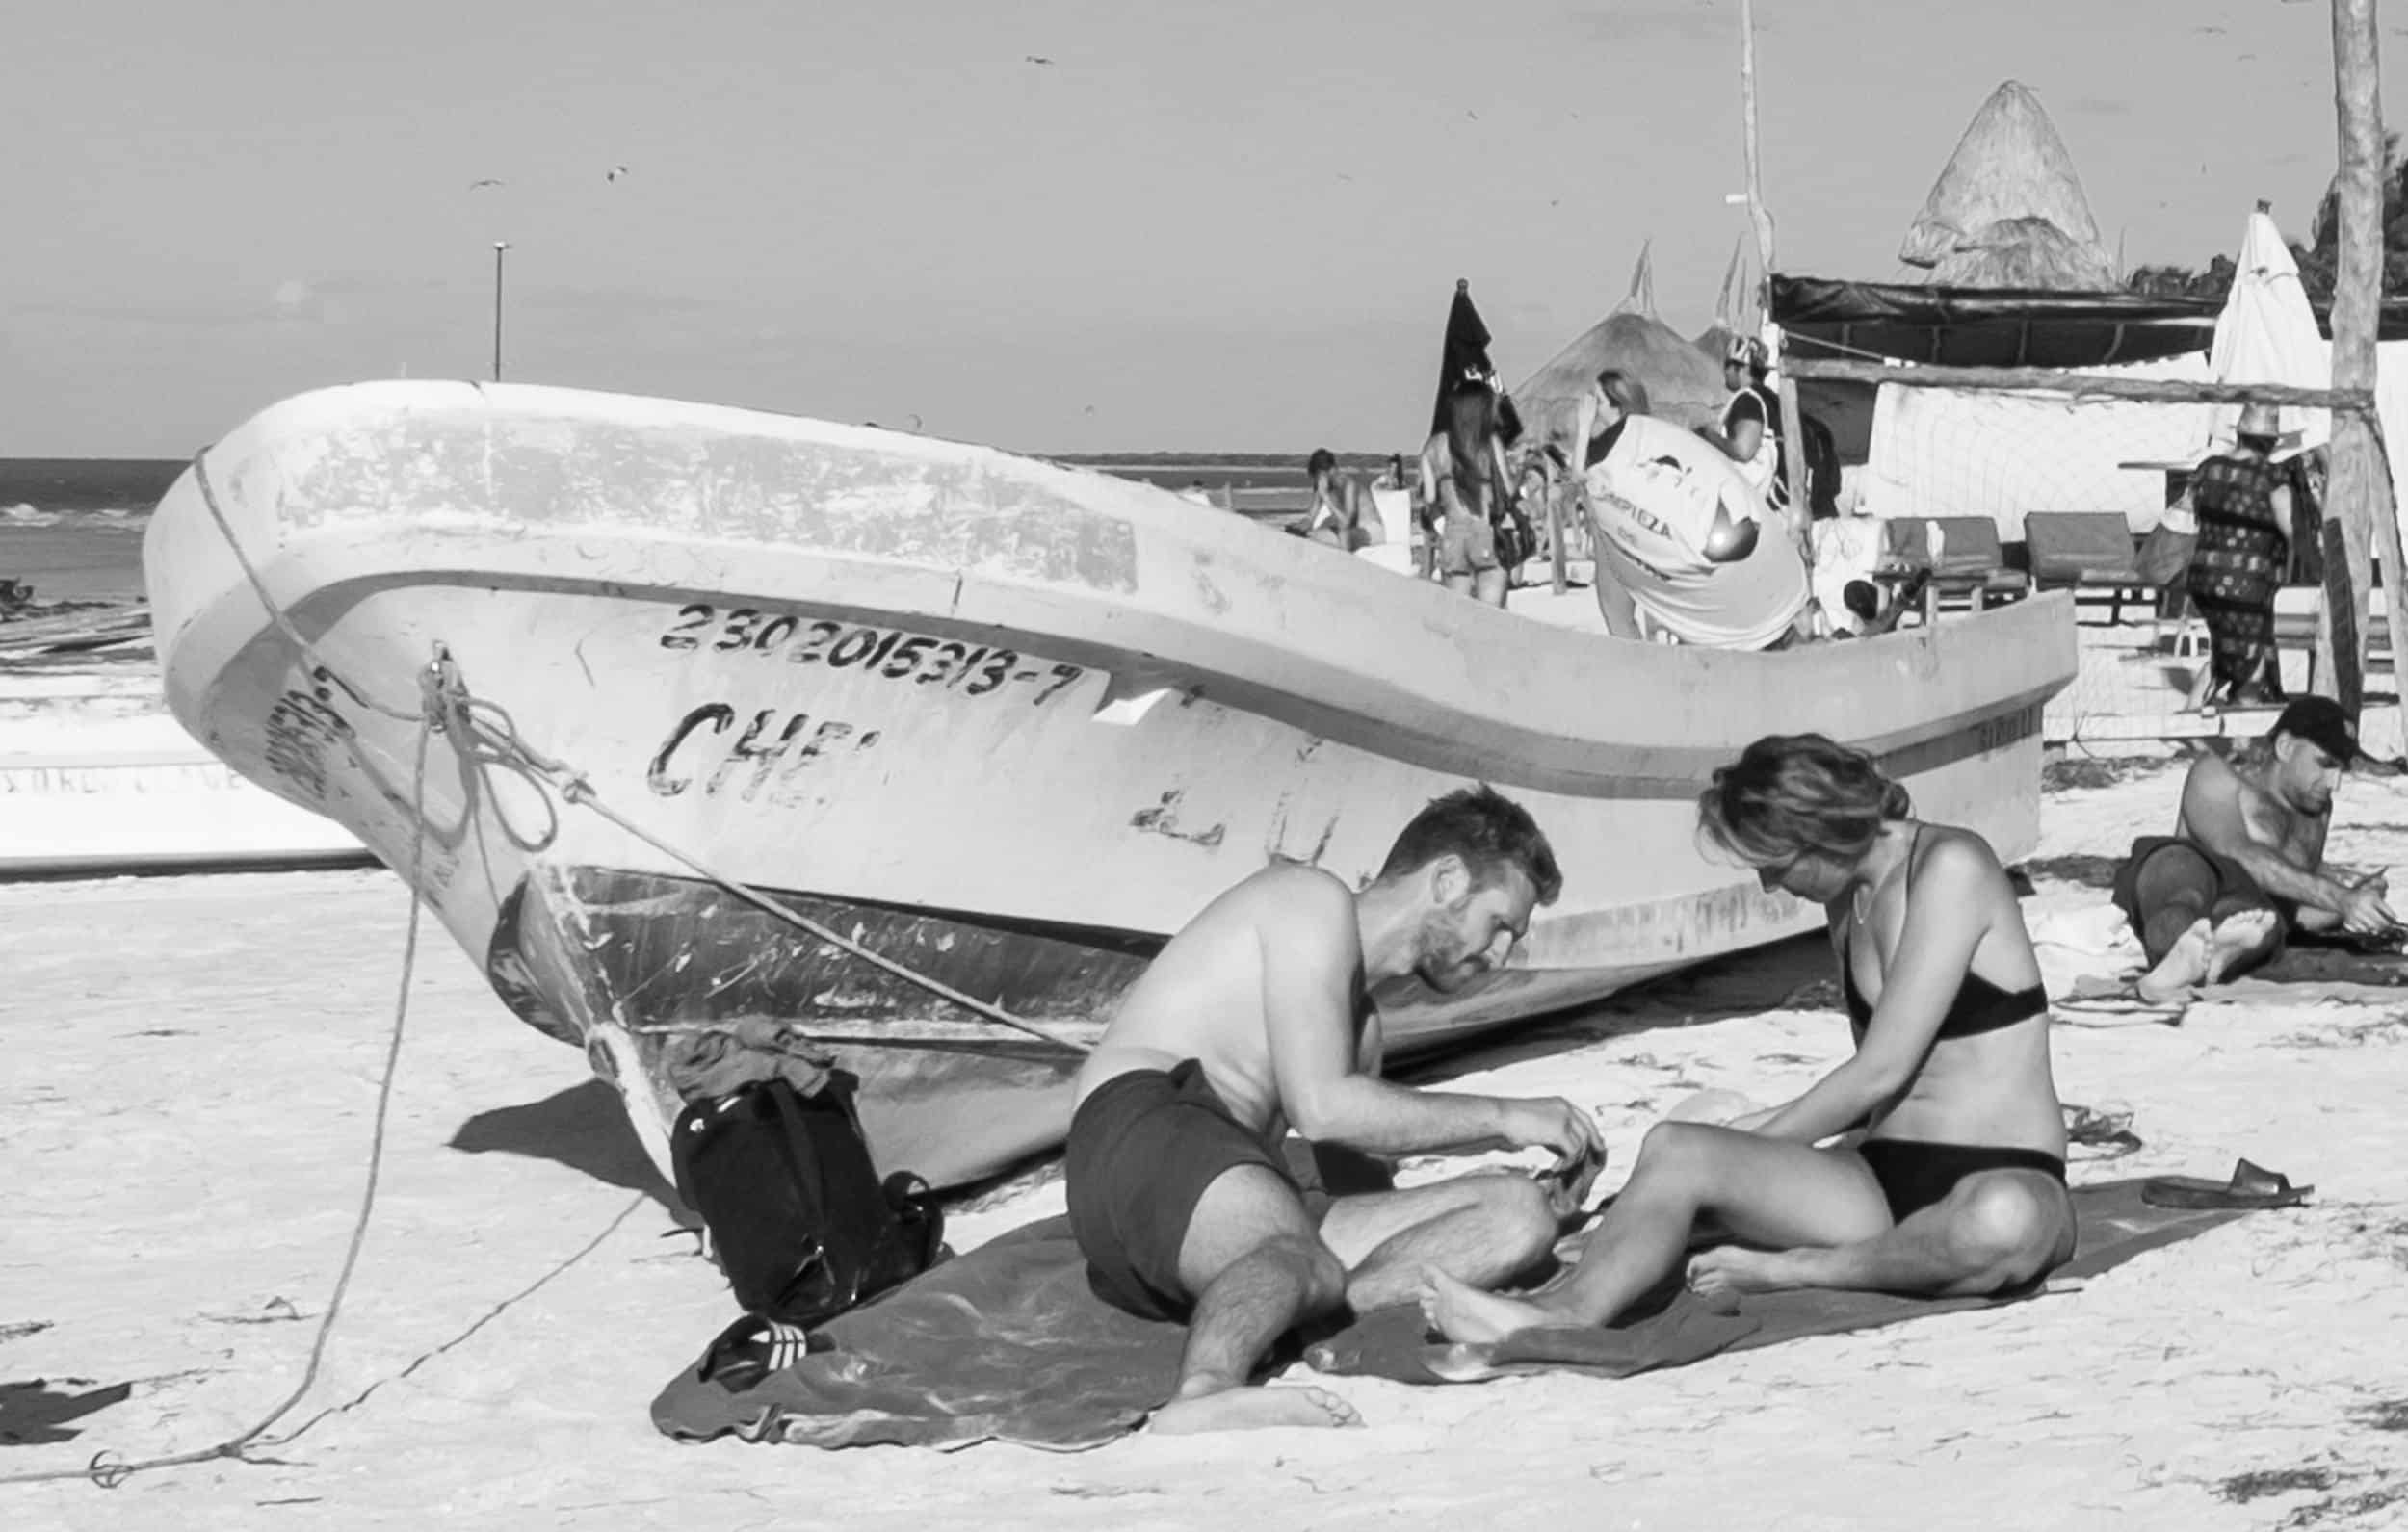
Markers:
(1011, 722)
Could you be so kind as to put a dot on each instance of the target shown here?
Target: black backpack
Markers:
(797, 1218)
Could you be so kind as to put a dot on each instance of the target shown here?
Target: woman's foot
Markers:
(1730, 1270)
(1464, 1313)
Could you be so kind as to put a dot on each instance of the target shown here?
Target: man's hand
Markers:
(1554, 1123)
(1567, 1190)
(2363, 911)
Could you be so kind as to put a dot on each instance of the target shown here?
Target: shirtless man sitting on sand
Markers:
(2246, 858)
(1342, 515)
(1257, 1018)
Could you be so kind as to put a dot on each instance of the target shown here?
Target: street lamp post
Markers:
(499, 246)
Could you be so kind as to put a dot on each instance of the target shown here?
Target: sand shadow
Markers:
(33, 1414)
(584, 1127)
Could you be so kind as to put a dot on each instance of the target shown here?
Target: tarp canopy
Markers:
(1961, 326)
(1956, 327)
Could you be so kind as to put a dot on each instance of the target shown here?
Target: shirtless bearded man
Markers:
(2246, 858)
(1257, 1018)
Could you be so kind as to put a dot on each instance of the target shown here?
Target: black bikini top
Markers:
(1978, 1006)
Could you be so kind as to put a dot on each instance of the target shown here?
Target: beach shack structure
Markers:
(2007, 270)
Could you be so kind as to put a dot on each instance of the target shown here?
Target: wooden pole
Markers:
(1793, 420)
(2097, 385)
(2358, 493)
(1555, 526)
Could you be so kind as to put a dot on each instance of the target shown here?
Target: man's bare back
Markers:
(1255, 1019)
(1202, 998)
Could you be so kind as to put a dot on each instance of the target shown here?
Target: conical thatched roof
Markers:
(1684, 384)
(2026, 252)
(2010, 210)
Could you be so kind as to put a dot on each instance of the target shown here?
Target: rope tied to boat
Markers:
(491, 736)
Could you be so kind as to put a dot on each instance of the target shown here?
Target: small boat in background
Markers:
(1005, 724)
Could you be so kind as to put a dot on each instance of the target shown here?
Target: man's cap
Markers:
(2322, 723)
(1746, 350)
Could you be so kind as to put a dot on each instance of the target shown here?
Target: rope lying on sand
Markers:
(107, 1469)
(485, 733)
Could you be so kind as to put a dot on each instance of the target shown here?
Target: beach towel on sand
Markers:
(1007, 1344)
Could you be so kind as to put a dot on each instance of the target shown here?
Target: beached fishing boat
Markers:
(1005, 723)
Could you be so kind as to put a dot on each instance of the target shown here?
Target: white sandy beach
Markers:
(193, 1066)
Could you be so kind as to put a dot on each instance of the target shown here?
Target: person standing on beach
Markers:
(1257, 1018)
(1749, 431)
(1340, 513)
(2244, 502)
(2245, 862)
(1465, 488)
(1957, 1188)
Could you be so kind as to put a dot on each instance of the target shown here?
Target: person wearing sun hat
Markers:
(2244, 502)
(2245, 863)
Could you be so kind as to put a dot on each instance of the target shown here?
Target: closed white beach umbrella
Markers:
(2267, 334)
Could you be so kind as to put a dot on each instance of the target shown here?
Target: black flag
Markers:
(1465, 354)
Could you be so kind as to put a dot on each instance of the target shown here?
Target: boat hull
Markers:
(1008, 725)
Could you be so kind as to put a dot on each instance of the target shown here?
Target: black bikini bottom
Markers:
(1915, 1173)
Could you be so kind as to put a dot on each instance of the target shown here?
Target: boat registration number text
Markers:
(888, 653)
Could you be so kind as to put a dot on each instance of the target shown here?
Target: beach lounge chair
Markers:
(2086, 551)
(1396, 532)
(1963, 554)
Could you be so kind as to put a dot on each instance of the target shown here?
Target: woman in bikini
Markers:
(1464, 484)
(1957, 1185)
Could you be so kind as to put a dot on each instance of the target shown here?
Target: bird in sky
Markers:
(1036, 57)
(487, 181)
(615, 172)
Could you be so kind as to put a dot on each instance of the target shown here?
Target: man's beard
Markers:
(1444, 961)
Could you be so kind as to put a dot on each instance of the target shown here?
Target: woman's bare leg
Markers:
(1766, 1191)
(1995, 1230)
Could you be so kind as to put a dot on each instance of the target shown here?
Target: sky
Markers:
(1053, 226)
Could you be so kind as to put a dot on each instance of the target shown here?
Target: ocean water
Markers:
(72, 527)
(59, 491)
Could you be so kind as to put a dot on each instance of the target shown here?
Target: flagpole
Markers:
(499, 246)
(1794, 421)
